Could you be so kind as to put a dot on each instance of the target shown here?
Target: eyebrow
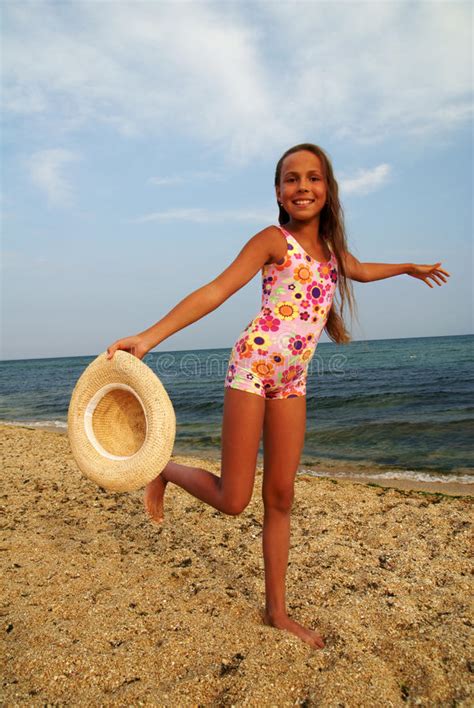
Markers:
(294, 172)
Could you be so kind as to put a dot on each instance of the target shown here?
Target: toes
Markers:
(318, 641)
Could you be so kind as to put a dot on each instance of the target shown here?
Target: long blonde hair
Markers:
(332, 230)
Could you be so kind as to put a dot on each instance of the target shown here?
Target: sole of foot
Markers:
(153, 500)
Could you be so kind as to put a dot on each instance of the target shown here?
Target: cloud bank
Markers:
(241, 78)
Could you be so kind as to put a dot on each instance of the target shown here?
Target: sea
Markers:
(393, 408)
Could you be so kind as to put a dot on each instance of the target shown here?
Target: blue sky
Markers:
(140, 141)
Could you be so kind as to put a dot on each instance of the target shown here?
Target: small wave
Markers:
(409, 475)
(37, 423)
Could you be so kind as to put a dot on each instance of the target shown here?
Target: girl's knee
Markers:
(279, 499)
(234, 507)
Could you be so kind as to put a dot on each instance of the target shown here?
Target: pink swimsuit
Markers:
(271, 356)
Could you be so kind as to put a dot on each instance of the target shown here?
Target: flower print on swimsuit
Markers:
(244, 348)
(286, 310)
(267, 284)
(259, 341)
(231, 372)
(292, 393)
(296, 291)
(314, 291)
(277, 359)
(291, 373)
(317, 291)
(324, 270)
(268, 383)
(263, 368)
(319, 310)
(283, 263)
(277, 294)
(303, 274)
(319, 315)
(269, 323)
(297, 344)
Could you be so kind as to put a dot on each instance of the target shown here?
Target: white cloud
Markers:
(377, 70)
(165, 181)
(205, 216)
(365, 180)
(46, 169)
(187, 177)
(244, 79)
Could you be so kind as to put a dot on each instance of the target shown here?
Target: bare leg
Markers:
(284, 430)
(231, 492)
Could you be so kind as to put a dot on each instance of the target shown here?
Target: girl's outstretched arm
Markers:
(367, 272)
(261, 248)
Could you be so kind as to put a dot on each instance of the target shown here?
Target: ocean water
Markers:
(395, 408)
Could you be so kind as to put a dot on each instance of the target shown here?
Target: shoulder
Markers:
(274, 241)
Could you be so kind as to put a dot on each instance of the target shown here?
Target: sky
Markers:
(139, 144)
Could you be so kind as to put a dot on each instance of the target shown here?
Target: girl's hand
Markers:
(135, 345)
(423, 272)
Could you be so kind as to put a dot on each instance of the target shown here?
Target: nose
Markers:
(303, 186)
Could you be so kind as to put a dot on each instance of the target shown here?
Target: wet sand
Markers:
(101, 607)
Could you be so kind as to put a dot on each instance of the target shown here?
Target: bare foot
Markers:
(307, 635)
(153, 498)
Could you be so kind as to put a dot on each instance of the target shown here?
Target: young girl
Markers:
(302, 261)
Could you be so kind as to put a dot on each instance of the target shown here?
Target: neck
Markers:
(305, 229)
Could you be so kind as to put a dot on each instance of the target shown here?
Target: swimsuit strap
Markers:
(287, 233)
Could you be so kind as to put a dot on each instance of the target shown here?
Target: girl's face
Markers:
(302, 189)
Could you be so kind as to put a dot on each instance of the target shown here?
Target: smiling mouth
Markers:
(303, 202)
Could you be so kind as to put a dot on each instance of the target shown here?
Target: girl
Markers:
(302, 260)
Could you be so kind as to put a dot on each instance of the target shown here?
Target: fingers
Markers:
(439, 272)
(124, 345)
(111, 350)
(437, 275)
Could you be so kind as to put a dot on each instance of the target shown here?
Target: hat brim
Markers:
(121, 423)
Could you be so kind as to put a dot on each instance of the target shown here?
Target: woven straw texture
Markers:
(121, 423)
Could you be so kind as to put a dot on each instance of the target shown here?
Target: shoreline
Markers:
(448, 489)
(345, 470)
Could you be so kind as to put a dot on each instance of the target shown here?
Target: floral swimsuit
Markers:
(271, 356)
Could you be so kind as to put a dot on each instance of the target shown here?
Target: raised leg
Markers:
(284, 431)
(230, 493)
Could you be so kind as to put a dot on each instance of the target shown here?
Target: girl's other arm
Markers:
(367, 272)
(258, 250)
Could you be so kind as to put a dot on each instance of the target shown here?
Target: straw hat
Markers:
(121, 423)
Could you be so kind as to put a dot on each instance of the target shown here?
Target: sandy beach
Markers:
(101, 607)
